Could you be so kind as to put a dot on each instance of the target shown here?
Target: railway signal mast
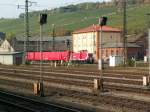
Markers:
(43, 20)
(148, 14)
(102, 22)
(149, 49)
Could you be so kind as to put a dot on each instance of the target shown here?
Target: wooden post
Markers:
(96, 84)
(36, 88)
(55, 65)
(145, 80)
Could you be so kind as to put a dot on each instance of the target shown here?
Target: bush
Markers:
(131, 62)
(27, 63)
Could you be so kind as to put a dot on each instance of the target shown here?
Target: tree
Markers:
(10, 35)
(115, 2)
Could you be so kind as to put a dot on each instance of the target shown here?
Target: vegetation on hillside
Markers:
(69, 18)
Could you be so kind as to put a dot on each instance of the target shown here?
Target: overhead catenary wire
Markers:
(8, 5)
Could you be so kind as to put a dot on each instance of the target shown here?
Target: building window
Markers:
(84, 37)
(112, 52)
(117, 52)
(106, 53)
(111, 38)
(102, 52)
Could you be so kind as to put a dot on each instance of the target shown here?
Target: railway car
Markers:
(57, 56)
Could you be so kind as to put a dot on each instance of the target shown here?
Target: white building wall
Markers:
(115, 60)
(84, 41)
(6, 47)
(6, 59)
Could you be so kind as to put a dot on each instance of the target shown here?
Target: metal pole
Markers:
(101, 61)
(124, 32)
(26, 39)
(148, 14)
(41, 63)
(53, 37)
(149, 50)
(37, 45)
(27, 22)
(93, 38)
(100, 48)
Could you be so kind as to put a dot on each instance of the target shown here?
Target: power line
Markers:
(8, 5)
(26, 24)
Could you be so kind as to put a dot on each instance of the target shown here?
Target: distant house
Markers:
(8, 55)
(6, 47)
(116, 49)
(60, 43)
(112, 42)
(140, 40)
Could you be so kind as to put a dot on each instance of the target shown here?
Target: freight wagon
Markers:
(57, 56)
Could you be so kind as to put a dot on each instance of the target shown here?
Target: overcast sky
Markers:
(9, 8)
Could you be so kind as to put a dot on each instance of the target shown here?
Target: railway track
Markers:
(132, 79)
(24, 78)
(82, 69)
(118, 102)
(108, 100)
(31, 105)
(74, 79)
(76, 71)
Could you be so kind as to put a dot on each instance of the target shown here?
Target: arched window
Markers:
(102, 52)
(117, 52)
(111, 38)
(112, 52)
(106, 53)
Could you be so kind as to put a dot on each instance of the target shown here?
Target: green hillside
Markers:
(72, 20)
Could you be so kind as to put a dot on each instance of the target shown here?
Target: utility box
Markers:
(115, 61)
(145, 59)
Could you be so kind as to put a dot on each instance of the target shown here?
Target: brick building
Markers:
(89, 39)
(141, 40)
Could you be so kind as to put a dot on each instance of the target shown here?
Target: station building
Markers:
(112, 42)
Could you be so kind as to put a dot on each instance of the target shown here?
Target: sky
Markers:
(9, 8)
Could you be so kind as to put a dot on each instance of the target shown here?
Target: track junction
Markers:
(78, 83)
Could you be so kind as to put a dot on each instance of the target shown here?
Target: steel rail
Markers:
(36, 105)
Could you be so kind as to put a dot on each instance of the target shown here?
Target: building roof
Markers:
(93, 28)
(120, 45)
(135, 37)
(34, 43)
(10, 53)
(45, 38)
